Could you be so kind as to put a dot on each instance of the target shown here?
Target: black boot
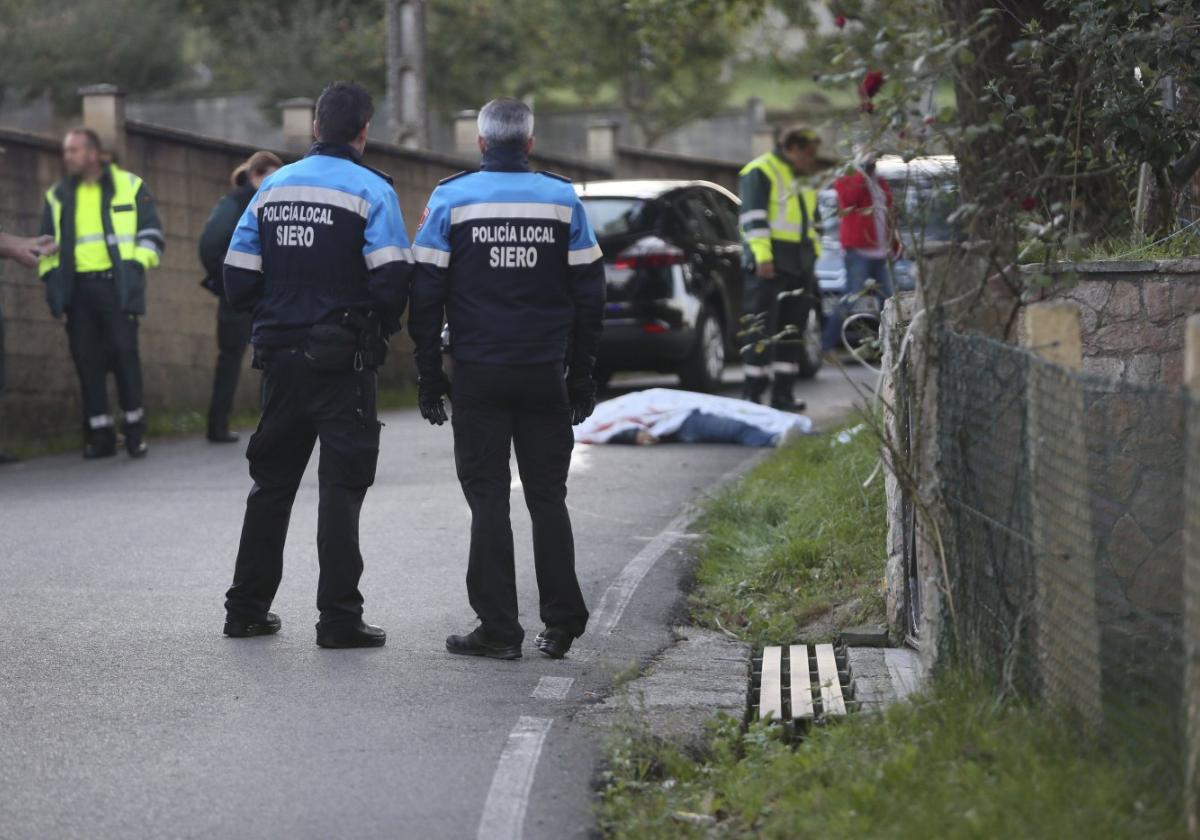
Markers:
(219, 433)
(347, 635)
(101, 443)
(135, 443)
(473, 644)
(754, 388)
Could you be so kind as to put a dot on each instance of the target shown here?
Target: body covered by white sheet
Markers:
(661, 411)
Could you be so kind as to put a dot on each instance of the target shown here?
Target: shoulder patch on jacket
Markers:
(550, 174)
(456, 176)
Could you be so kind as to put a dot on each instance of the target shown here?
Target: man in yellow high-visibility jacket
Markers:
(109, 236)
(779, 221)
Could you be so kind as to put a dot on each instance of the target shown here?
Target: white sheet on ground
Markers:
(661, 411)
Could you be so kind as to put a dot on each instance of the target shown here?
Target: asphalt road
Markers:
(125, 713)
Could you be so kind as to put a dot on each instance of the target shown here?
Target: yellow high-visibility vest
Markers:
(91, 247)
(788, 220)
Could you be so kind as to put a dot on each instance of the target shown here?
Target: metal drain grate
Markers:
(800, 685)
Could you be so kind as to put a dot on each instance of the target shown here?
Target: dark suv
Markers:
(672, 255)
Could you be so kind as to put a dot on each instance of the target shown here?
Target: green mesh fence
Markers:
(1065, 498)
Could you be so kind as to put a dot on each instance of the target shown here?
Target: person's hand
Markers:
(26, 250)
(581, 392)
(45, 245)
(765, 270)
(430, 394)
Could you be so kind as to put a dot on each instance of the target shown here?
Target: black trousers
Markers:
(233, 334)
(104, 338)
(301, 406)
(775, 303)
(495, 406)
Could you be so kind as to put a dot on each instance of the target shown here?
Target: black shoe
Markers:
(134, 444)
(346, 635)
(473, 644)
(788, 404)
(222, 436)
(101, 443)
(554, 642)
(240, 628)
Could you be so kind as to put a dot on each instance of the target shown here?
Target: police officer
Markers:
(109, 236)
(322, 257)
(508, 256)
(782, 242)
(233, 327)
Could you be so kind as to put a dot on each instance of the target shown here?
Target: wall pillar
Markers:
(1064, 553)
(466, 134)
(602, 142)
(1191, 576)
(763, 140)
(297, 123)
(104, 113)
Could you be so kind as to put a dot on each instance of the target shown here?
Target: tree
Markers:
(53, 47)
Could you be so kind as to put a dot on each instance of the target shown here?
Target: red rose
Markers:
(1029, 203)
(840, 21)
(871, 84)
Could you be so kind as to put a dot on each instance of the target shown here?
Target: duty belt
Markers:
(107, 274)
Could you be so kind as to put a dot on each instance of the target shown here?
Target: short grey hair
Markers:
(505, 121)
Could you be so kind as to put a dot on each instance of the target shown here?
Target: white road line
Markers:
(620, 592)
(552, 688)
(508, 797)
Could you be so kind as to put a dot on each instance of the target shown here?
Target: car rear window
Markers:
(615, 216)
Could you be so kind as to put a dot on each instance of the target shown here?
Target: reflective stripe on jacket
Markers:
(778, 215)
(129, 231)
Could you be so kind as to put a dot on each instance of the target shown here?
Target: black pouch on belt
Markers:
(332, 347)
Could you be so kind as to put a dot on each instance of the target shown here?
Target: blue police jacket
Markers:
(320, 236)
(508, 258)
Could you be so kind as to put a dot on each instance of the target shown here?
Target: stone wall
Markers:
(642, 163)
(1133, 316)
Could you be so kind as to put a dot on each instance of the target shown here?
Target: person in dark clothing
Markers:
(233, 327)
(508, 256)
(321, 256)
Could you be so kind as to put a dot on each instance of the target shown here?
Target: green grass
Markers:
(796, 537)
(951, 764)
(1185, 244)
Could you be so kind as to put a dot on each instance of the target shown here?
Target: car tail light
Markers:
(655, 328)
(650, 252)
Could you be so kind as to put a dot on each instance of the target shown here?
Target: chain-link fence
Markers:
(1065, 505)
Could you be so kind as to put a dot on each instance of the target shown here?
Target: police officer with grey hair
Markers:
(506, 255)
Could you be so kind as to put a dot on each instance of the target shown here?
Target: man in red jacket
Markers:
(867, 237)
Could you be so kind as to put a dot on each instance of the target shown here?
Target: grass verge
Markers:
(801, 535)
(954, 763)
(797, 538)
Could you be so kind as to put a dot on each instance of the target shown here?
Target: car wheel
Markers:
(810, 353)
(704, 367)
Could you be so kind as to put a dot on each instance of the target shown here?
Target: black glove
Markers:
(429, 398)
(581, 391)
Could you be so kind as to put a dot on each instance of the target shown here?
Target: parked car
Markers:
(925, 194)
(672, 256)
